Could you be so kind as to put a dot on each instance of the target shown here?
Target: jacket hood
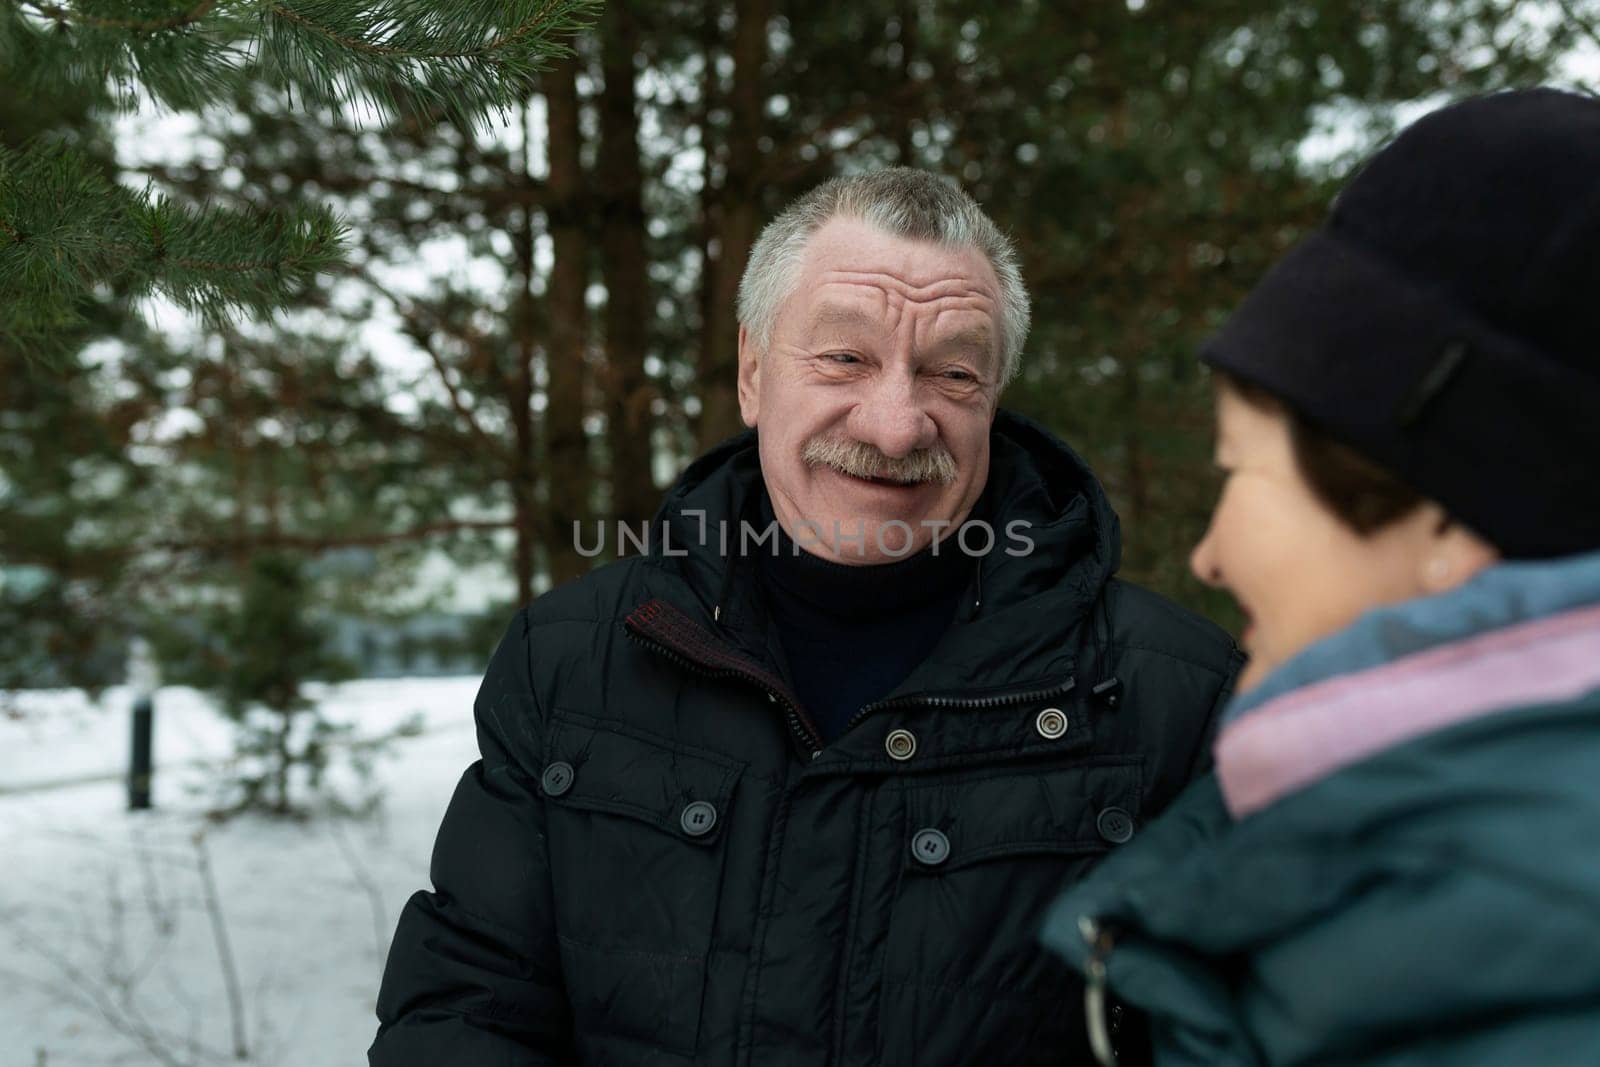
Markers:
(1037, 486)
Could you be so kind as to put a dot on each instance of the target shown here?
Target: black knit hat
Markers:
(1445, 322)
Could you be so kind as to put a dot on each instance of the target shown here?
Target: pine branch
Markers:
(64, 17)
(69, 234)
(355, 44)
(70, 231)
(59, 216)
(468, 57)
(214, 261)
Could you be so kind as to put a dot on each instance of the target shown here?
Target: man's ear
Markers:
(749, 379)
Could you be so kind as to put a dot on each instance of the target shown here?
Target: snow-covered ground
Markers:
(111, 951)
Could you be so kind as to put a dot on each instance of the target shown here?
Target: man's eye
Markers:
(959, 375)
(841, 358)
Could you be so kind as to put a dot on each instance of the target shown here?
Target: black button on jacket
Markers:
(657, 862)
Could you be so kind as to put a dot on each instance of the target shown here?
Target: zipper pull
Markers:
(1094, 991)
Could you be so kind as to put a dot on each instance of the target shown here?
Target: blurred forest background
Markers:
(532, 323)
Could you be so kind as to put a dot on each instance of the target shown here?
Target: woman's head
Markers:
(1308, 534)
(1424, 375)
(1444, 322)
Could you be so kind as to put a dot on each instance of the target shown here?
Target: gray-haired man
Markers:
(794, 787)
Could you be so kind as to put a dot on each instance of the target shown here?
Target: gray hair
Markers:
(901, 202)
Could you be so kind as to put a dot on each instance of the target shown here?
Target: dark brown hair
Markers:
(1364, 496)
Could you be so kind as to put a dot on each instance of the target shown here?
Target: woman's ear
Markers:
(1451, 553)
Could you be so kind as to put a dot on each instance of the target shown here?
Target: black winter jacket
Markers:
(656, 862)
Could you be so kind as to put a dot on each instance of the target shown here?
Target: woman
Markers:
(1397, 860)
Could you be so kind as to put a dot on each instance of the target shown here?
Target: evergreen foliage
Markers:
(269, 649)
(256, 652)
(67, 228)
(71, 485)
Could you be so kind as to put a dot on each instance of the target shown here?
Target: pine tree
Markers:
(270, 651)
(481, 428)
(255, 655)
(67, 466)
(67, 228)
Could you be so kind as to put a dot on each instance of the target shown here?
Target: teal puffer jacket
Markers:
(1397, 859)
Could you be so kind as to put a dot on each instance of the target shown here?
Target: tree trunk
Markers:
(284, 761)
(710, 199)
(906, 16)
(523, 470)
(738, 220)
(567, 459)
(623, 265)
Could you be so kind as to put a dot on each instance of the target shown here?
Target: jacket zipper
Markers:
(967, 703)
(799, 726)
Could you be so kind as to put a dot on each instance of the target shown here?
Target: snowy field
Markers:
(115, 927)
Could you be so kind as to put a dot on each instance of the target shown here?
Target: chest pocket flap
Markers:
(604, 766)
(1083, 809)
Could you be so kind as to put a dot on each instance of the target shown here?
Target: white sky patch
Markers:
(1343, 133)
(173, 424)
(151, 137)
(1581, 67)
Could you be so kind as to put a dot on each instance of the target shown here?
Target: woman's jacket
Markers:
(1397, 859)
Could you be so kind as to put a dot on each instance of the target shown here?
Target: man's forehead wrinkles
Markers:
(934, 290)
(851, 314)
(957, 323)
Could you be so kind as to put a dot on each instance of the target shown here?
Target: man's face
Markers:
(875, 397)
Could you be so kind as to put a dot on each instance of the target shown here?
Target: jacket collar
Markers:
(1519, 634)
(1035, 480)
(1010, 630)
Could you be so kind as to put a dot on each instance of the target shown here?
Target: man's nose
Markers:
(893, 418)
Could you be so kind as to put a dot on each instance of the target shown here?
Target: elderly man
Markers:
(801, 797)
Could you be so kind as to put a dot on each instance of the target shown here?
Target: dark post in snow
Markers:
(143, 681)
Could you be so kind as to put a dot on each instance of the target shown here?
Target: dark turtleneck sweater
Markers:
(851, 633)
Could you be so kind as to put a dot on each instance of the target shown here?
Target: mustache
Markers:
(862, 460)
